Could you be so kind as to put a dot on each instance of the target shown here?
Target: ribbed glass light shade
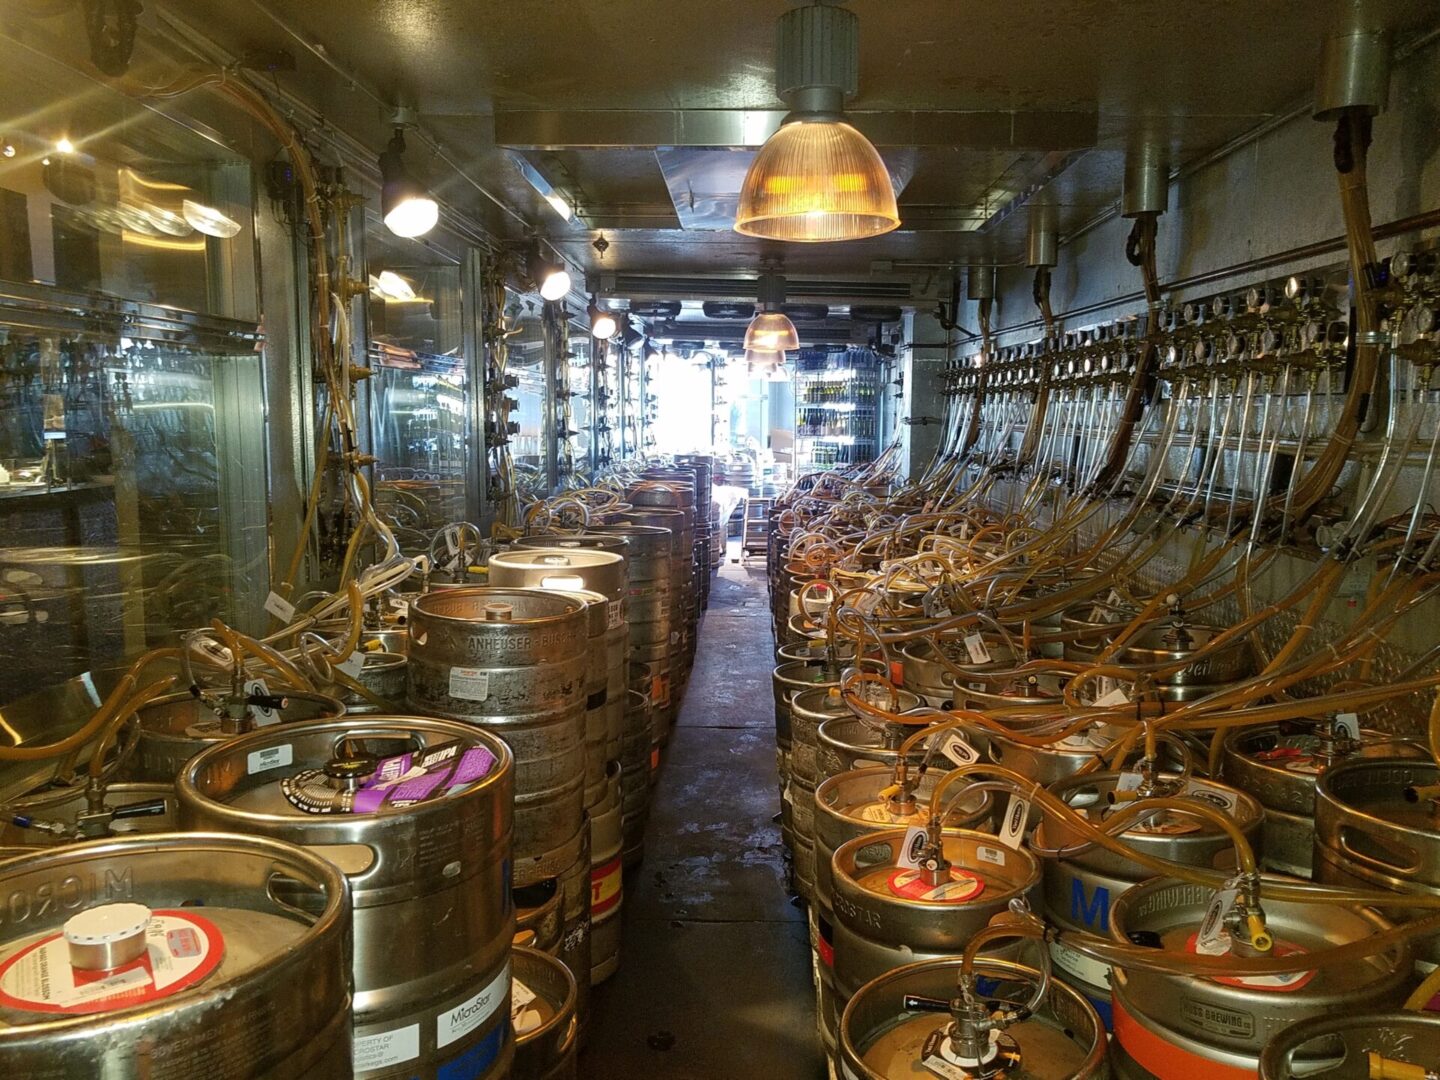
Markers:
(763, 357)
(771, 331)
(815, 181)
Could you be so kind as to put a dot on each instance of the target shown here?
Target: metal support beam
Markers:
(538, 129)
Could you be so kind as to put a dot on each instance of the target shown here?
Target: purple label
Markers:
(374, 794)
(399, 781)
(475, 764)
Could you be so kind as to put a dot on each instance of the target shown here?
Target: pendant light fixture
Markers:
(817, 179)
(771, 329)
(408, 208)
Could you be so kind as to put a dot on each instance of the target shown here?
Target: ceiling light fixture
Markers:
(408, 208)
(603, 324)
(547, 276)
(771, 329)
(208, 220)
(64, 146)
(817, 179)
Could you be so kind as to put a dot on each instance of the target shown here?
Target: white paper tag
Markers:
(272, 757)
(1213, 939)
(469, 684)
(1347, 724)
(1114, 698)
(912, 848)
(459, 1020)
(386, 1049)
(615, 614)
(263, 716)
(1128, 781)
(1012, 828)
(520, 996)
(936, 1064)
(958, 750)
(452, 541)
(353, 664)
(975, 646)
(281, 608)
(994, 856)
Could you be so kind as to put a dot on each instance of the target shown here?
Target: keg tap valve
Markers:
(1245, 921)
(1177, 636)
(934, 867)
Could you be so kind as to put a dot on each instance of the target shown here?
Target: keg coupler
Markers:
(974, 1045)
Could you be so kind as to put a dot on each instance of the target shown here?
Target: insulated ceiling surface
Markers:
(986, 100)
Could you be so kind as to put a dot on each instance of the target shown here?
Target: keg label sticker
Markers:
(181, 948)
(975, 646)
(1012, 830)
(272, 757)
(262, 716)
(386, 1049)
(281, 608)
(994, 856)
(958, 750)
(1286, 982)
(403, 780)
(353, 664)
(912, 848)
(1078, 965)
(1347, 725)
(469, 684)
(1222, 800)
(961, 886)
(460, 1020)
(605, 887)
(615, 614)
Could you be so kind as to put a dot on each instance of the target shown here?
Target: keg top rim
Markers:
(564, 607)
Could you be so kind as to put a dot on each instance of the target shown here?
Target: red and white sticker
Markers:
(1285, 983)
(181, 948)
(605, 887)
(961, 887)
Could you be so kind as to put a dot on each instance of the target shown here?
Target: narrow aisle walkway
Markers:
(714, 980)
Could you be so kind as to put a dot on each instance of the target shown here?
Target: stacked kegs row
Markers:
(338, 905)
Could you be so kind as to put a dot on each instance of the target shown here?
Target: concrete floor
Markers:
(714, 977)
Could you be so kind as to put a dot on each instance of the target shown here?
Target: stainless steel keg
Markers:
(176, 727)
(514, 662)
(1353, 1046)
(887, 916)
(542, 1009)
(607, 888)
(854, 804)
(892, 1023)
(417, 813)
(230, 980)
(1176, 1027)
(1280, 764)
(1377, 825)
(1080, 888)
